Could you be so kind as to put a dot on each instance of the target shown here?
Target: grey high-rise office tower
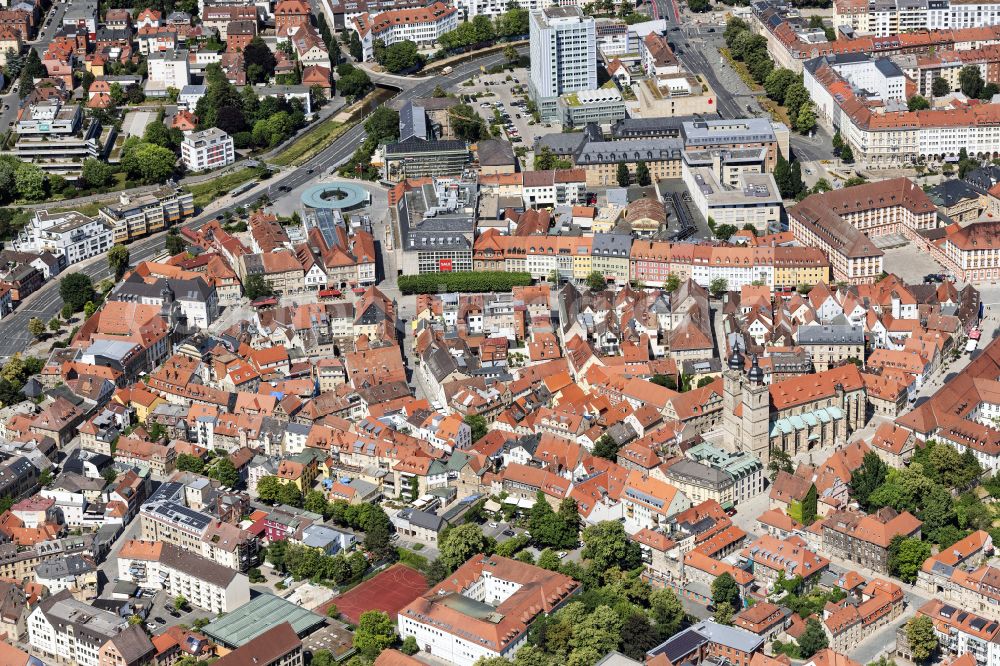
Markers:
(563, 55)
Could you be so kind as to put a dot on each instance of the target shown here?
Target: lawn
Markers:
(206, 192)
(89, 209)
(311, 143)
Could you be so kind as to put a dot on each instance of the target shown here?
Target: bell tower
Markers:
(756, 419)
(732, 380)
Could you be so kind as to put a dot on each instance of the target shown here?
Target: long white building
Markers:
(164, 566)
(495, 8)
(423, 26)
(484, 609)
(882, 133)
(71, 235)
(884, 18)
(74, 632)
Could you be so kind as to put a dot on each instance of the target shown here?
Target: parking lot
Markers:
(910, 263)
(502, 99)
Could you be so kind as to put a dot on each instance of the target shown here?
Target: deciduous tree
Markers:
(36, 327)
(461, 543)
(726, 591)
(375, 633)
(813, 639)
(118, 258)
(76, 289)
(922, 638)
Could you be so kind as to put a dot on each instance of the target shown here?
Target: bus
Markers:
(245, 187)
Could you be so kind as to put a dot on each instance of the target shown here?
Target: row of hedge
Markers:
(479, 281)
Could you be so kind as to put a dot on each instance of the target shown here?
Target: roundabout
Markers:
(335, 196)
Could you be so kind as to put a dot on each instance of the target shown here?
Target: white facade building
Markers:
(885, 18)
(210, 149)
(563, 55)
(755, 200)
(495, 8)
(72, 630)
(164, 566)
(422, 26)
(479, 611)
(169, 69)
(71, 235)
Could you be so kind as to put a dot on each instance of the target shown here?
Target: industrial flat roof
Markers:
(260, 614)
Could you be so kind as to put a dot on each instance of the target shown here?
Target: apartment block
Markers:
(164, 566)
(70, 235)
(136, 216)
(77, 633)
(207, 150)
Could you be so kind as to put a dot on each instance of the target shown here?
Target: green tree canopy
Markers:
(461, 543)
(606, 545)
(596, 282)
(940, 87)
(906, 556)
(375, 633)
(813, 639)
(255, 287)
(726, 591)
(76, 289)
(402, 56)
(36, 327)
(922, 637)
(777, 83)
(146, 162)
(225, 473)
(970, 81)
(810, 505)
(624, 178)
(96, 173)
(290, 494)
(466, 123)
(118, 258)
(642, 174)
(868, 478)
(186, 462)
(478, 426)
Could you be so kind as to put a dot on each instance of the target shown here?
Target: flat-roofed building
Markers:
(755, 200)
(135, 216)
(563, 55)
(737, 134)
(437, 225)
(70, 235)
(208, 149)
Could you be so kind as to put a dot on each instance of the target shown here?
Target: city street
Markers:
(46, 302)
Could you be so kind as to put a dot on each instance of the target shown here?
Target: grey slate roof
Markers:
(495, 152)
(425, 520)
(817, 334)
